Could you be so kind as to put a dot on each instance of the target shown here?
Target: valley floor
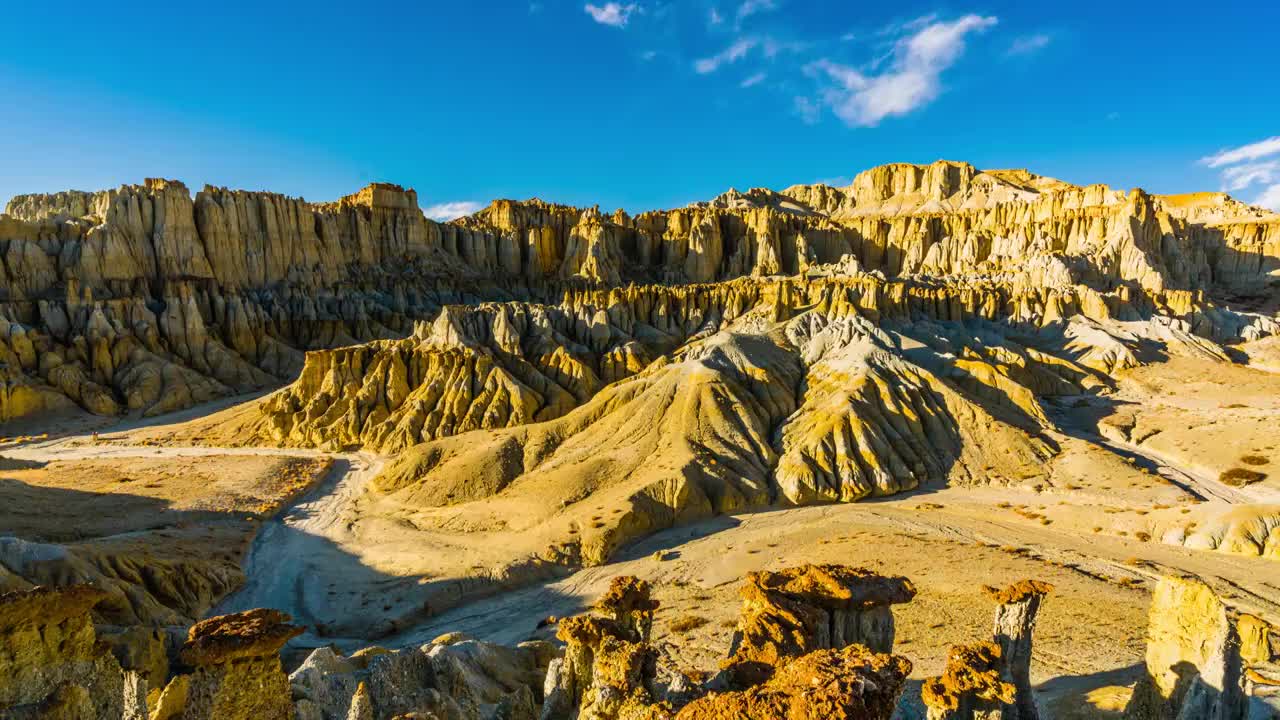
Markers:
(1136, 482)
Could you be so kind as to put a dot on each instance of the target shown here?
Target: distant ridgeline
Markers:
(146, 300)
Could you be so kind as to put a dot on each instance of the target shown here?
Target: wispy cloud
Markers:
(1243, 167)
(912, 79)
(808, 110)
(714, 17)
(752, 81)
(1239, 177)
(614, 14)
(444, 212)
(728, 56)
(1270, 198)
(1244, 153)
(752, 7)
(1028, 44)
(772, 47)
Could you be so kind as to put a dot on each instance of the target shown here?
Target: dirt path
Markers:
(297, 555)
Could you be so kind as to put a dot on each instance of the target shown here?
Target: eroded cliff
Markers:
(146, 299)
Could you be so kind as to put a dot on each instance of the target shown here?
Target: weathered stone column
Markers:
(1014, 624)
(1194, 665)
(237, 673)
(627, 603)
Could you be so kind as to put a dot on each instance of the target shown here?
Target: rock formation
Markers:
(146, 299)
(52, 665)
(608, 668)
(1015, 622)
(812, 641)
(849, 684)
(453, 677)
(1194, 663)
(991, 680)
(236, 672)
(971, 687)
(793, 612)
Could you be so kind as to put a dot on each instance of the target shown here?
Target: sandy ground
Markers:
(66, 499)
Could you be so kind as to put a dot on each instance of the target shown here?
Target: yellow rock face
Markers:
(144, 299)
(52, 664)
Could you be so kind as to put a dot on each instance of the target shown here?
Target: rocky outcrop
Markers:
(52, 665)
(492, 367)
(1194, 661)
(991, 680)
(805, 648)
(451, 677)
(971, 687)
(608, 668)
(797, 611)
(849, 684)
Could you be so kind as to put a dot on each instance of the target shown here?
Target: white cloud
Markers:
(648, 55)
(753, 80)
(808, 110)
(1028, 44)
(912, 80)
(451, 210)
(729, 55)
(1270, 198)
(1245, 166)
(614, 14)
(772, 48)
(1244, 153)
(752, 7)
(1239, 177)
(714, 17)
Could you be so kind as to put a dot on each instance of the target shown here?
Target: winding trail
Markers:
(296, 554)
(293, 550)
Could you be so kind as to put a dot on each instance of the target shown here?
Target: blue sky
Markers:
(638, 104)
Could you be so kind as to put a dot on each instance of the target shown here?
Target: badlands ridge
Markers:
(389, 428)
